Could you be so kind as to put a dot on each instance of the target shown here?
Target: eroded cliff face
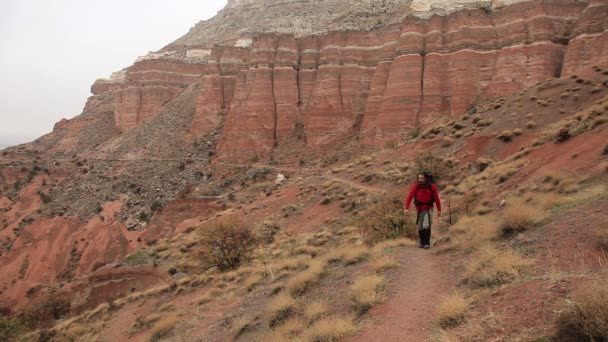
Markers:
(380, 84)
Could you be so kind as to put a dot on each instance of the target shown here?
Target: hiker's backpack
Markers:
(429, 184)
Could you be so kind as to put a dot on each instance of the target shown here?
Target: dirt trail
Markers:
(414, 292)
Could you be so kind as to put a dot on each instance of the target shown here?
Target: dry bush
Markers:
(447, 141)
(298, 284)
(310, 250)
(546, 201)
(10, 328)
(226, 243)
(367, 291)
(470, 231)
(519, 216)
(518, 131)
(505, 136)
(43, 311)
(490, 267)
(530, 124)
(280, 308)
(331, 329)
(386, 220)
(253, 281)
(316, 310)
(389, 246)
(428, 162)
(587, 311)
(297, 263)
(451, 311)
(162, 328)
(290, 327)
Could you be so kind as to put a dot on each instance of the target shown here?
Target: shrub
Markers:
(43, 311)
(316, 310)
(518, 131)
(367, 291)
(386, 220)
(491, 267)
(162, 328)
(451, 310)
(10, 328)
(429, 163)
(226, 243)
(472, 230)
(331, 329)
(505, 136)
(298, 284)
(447, 141)
(519, 216)
(280, 308)
(587, 311)
(530, 124)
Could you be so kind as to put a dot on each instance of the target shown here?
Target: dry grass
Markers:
(470, 231)
(209, 296)
(451, 311)
(490, 267)
(253, 281)
(298, 284)
(383, 263)
(280, 308)
(348, 254)
(331, 329)
(601, 239)
(366, 292)
(587, 311)
(505, 136)
(162, 328)
(520, 216)
(316, 310)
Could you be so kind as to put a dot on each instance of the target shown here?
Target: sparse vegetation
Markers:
(331, 329)
(587, 311)
(226, 242)
(280, 308)
(162, 328)
(386, 220)
(491, 267)
(366, 292)
(505, 136)
(451, 311)
(43, 311)
(519, 216)
(298, 284)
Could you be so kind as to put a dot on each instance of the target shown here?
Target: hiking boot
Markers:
(427, 246)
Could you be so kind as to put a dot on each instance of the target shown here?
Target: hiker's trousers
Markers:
(424, 220)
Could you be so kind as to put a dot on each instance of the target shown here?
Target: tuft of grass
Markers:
(253, 281)
(383, 263)
(447, 141)
(162, 328)
(366, 292)
(519, 216)
(316, 310)
(209, 296)
(280, 308)
(601, 239)
(505, 136)
(490, 267)
(587, 311)
(451, 311)
(331, 329)
(298, 284)
(470, 231)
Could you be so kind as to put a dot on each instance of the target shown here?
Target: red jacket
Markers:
(425, 194)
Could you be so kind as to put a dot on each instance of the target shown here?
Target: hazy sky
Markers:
(51, 52)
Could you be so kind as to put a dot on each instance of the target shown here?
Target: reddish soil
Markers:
(414, 292)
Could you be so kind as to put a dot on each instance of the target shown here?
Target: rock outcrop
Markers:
(382, 82)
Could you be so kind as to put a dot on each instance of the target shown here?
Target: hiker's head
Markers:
(421, 178)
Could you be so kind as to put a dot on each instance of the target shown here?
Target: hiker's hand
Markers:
(405, 211)
(439, 213)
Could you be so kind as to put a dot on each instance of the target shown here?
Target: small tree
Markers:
(226, 242)
(386, 220)
(43, 311)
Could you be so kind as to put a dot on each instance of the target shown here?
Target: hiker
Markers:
(425, 194)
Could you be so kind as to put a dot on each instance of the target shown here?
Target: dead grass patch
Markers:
(451, 311)
(298, 284)
(280, 308)
(490, 267)
(587, 311)
(316, 310)
(366, 292)
(209, 296)
(162, 328)
(331, 329)
(383, 263)
(519, 216)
